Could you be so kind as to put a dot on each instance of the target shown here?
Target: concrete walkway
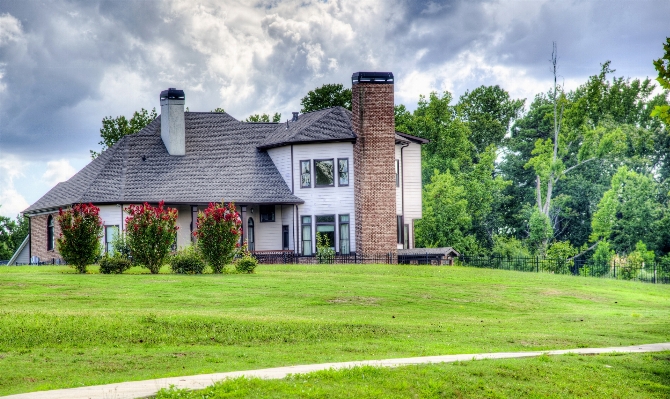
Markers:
(142, 389)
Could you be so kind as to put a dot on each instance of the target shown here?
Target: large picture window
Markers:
(305, 174)
(324, 173)
(307, 235)
(343, 171)
(344, 235)
(325, 225)
(267, 213)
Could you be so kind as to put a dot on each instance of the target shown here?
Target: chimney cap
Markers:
(295, 117)
(172, 94)
(372, 77)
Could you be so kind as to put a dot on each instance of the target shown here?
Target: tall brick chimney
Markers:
(374, 162)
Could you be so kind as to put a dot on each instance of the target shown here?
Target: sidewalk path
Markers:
(143, 389)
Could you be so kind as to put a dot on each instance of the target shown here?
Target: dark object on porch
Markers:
(427, 256)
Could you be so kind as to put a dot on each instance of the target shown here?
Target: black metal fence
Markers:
(658, 272)
(290, 257)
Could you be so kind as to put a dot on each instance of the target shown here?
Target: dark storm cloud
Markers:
(263, 57)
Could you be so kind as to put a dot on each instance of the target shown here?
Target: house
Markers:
(348, 175)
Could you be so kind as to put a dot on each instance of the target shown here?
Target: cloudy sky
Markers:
(65, 64)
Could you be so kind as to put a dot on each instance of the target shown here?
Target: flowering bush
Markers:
(150, 232)
(218, 233)
(79, 240)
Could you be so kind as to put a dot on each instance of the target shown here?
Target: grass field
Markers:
(568, 376)
(59, 329)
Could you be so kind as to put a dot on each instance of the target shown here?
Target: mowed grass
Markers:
(59, 329)
(567, 376)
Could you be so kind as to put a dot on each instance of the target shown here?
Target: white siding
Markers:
(412, 184)
(281, 157)
(184, 223)
(325, 200)
(111, 215)
(267, 235)
(24, 256)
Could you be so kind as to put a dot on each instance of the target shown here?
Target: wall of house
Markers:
(267, 234)
(281, 157)
(337, 200)
(24, 256)
(38, 237)
(412, 184)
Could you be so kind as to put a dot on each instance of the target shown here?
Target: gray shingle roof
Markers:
(221, 162)
(329, 124)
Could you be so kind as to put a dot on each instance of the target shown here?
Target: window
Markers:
(50, 233)
(400, 229)
(397, 173)
(307, 235)
(325, 225)
(284, 237)
(194, 221)
(305, 175)
(250, 234)
(406, 242)
(110, 233)
(343, 171)
(324, 173)
(344, 235)
(267, 213)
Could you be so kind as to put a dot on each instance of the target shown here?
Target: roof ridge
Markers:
(300, 129)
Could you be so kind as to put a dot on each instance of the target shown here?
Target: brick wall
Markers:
(374, 157)
(38, 238)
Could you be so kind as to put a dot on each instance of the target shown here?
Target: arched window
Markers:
(250, 234)
(50, 233)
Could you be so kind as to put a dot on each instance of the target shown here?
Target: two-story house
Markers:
(348, 175)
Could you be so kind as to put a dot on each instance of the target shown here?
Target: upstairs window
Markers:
(324, 173)
(305, 174)
(343, 171)
(267, 213)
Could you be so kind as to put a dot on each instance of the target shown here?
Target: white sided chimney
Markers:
(173, 129)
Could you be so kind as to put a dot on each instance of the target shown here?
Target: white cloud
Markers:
(11, 201)
(10, 29)
(58, 171)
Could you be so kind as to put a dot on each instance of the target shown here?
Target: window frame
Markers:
(324, 160)
(341, 223)
(108, 240)
(339, 182)
(51, 233)
(251, 234)
(309, 165)
(304, 224)
(260, 213)
(333, 223)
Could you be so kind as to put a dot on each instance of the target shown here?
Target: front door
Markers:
(284, 237)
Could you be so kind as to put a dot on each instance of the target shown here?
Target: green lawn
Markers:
(59, 329)
(569, 376)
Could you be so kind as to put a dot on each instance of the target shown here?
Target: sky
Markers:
(66, 64)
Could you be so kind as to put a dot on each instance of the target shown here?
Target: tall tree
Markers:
(326, 96)
(264, 118)
(113, 129)
(662, 66)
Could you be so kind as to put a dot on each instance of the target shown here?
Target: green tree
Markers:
(218, 233)
(662, 66)
(326, 96)
(12, 234)
(218, 109)
(113, 129)
(264, 118)
(445, 219)
(150, 233)
(489, 112)
(628, 212)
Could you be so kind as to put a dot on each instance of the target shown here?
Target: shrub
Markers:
(120, 246)
(115, 264)
(324, 253)
(79, 240)
(218, 234)
(187, 261)
(150, 232)
(246, 264)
